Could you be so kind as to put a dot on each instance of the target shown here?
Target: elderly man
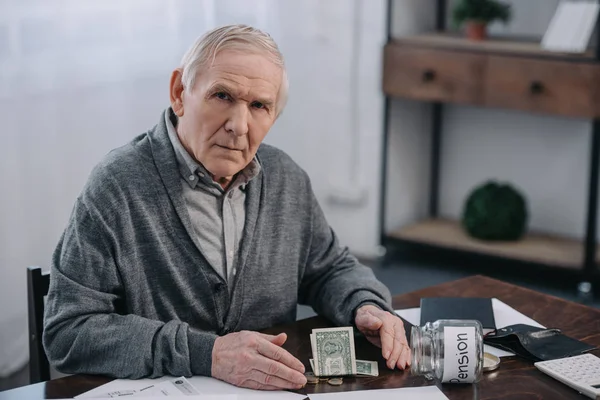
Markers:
(191, 238)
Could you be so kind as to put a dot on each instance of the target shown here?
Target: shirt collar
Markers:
(193, 172)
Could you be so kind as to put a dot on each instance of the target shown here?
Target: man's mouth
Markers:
(228, 148)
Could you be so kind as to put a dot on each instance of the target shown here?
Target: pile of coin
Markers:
(313, 380)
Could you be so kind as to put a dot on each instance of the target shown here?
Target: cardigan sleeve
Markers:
(86, 329)
(335, 284)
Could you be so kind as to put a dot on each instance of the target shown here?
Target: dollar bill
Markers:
(366, 368)
(333, 351)
(313, 346)
(369, 368)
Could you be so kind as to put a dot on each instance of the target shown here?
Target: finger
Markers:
(396, 352)
(406, 354)
(277, 340)
(404, 360)
(400, 340)
(274, 380)
(387, 334)
(279, 370)
(280, 354)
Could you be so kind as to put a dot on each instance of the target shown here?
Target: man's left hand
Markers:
(386, 331)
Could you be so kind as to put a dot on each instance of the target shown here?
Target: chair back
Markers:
(38, 283)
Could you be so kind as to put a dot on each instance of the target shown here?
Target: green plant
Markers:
(484, 11)
(495, 211)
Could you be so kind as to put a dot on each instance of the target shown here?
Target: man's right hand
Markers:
(256, 361)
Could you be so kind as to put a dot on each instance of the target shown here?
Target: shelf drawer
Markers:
(432, 75)
(555, 87)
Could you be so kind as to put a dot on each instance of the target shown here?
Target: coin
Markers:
(335, 381)
(311, 378)
(490, 362)
(323, 378)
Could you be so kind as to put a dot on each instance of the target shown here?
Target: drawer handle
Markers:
(536, 87)
(428, 75)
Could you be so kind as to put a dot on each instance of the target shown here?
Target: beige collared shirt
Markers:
(218, 215)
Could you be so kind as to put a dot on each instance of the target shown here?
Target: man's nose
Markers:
(237, 122)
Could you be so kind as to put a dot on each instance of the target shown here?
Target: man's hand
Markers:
(386, 331)
(256, 361)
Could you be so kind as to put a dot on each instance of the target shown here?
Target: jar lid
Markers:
(490, 362)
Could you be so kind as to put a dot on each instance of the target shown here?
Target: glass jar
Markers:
(448, 350)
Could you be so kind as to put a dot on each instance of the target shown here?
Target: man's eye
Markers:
(258, 104)
(222, 95)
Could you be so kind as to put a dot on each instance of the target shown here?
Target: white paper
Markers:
(204, 385)
(504, 315)
(120, 386)
(199, 397)
(170, 388)
(412, 393)
(195, 397)
(412, 315)
(571, 27)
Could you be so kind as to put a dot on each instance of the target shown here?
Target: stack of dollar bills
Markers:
(333, 354)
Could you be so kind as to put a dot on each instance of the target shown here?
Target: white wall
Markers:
(546, 157)
(409, 126)
(340, 149)
(80, 77)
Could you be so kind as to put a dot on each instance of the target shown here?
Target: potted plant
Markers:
(477, 14)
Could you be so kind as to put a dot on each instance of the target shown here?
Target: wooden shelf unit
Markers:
(442, 68)
(565, 86)
(536, 248)
(506, 46)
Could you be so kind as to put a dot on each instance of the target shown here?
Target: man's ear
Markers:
(176, 92)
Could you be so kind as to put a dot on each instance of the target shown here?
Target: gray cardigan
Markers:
(132, 296)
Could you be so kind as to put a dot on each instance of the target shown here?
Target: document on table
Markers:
(410, 393)
(194, 397)
(164, 387)
(197, 387)
(258, 396)
(206, 385)
(504, 315)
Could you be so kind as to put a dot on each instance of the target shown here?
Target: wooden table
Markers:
(515, 379)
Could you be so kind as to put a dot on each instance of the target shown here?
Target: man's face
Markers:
(226, 115)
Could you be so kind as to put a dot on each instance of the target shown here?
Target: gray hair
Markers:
(238, 37)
